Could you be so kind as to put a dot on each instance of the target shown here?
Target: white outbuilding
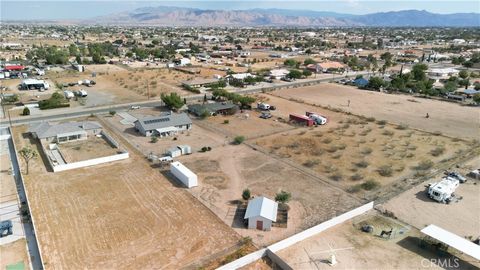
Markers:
(182, 173)
(261, 212)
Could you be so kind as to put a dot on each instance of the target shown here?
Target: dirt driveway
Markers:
(448, 118)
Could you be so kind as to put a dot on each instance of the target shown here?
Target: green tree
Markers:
(294, 74)
(246, 194)
(450, 86)
(309, 61)
(463, 74)
(418, 72)
(290, 63)
(238, 140)
(283, 197)
(476, 98)
(28, 154)
(306, 73)
(26, 111)
(173, 101)
(376, 83)
(112, 113)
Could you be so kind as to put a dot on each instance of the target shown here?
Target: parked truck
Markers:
(319, 119)
(443, 191)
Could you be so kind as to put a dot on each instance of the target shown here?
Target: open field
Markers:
(459, 217)
(445, 117)
(359, 250)
(226, 171)
(93, 147)
(122, 215)
(356, 153)
(14, 253)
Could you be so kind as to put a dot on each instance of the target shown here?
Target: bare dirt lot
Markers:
(14, 253)
(93, 147)
(359, 154)
(359, 250)
(122, 215)
(225, 172)
(459, 217)
(448, 118)
(8, 190)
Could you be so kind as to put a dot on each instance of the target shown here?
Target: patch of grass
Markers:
(437, 151)
(385, 170)
(238, 140)
(370, 185)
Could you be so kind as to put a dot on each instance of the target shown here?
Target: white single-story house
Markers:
(278, 73)
(240, 76)
(261, 212)
(64, 132)
(442, 73)
(163, 125)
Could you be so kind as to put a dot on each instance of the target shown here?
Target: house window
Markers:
(62, 139)
(73, 137)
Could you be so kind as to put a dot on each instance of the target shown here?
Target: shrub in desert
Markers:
(388, 132)
(366, 151)
(226, 121)
(381, 122)
(356, 177)
(409, 155)
(370, 119)
(370, 185)
(336, 156)
(385, 170)
(437, 151)
(154, 139)
(336, 176)
(437, 133)
(402, 127)
(425, 165)
(238, 140)
(354, 189)
(327, 140)
(283, 197)
(316, 151)
(362, 164)
(345, 126)
(311, 163)
(246, 194)
(332, 149)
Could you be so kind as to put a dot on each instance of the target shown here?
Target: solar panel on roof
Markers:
(148, 122)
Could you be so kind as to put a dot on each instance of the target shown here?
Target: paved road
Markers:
(83, 111)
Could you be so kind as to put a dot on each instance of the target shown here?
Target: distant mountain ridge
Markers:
(178, 16)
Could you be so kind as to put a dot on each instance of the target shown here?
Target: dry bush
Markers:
(388, 133)
(362, 164)
(437, 151)
(356, 177)
(311, 163)
(354, 188)
(332, 149)
(409, 155)
(317, 152)
(370, 119)
(425, 165)
(402, 126)
(341, 146)
(370, 185)
(336, 176)
(437, 133)
(293, 145)
(345, 126)
(381, 122)
(385, 170)
(366, 151)
(327, 140)
(336, 156)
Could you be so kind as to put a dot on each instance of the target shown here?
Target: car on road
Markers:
(134, 107)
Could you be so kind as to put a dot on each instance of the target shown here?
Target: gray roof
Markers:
(164, 120)
(47, 130)
(198, 109)
(263, 207)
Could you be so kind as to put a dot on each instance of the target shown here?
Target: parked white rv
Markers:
(319, 119)
(443, 191)
(30, 84)
(263, 106)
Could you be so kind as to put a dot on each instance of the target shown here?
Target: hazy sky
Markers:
(75, 9)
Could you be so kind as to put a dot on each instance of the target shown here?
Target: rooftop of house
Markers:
(261, 206)
(198, 109)
(47, 130)
(164, 120)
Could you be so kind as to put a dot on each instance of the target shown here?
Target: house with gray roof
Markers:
(166, 124)
(64, 132)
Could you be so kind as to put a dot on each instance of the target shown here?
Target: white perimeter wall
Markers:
(90, 162)
(297, 237)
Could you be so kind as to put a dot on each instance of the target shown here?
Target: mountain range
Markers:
(179, 16)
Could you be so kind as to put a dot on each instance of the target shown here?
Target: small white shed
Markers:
(182, 173)
(261, 212)
(173, 152)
